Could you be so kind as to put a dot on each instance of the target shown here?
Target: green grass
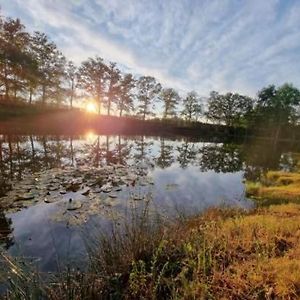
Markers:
(222, 254)
(275, 187)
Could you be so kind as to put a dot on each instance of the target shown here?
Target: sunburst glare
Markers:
(91, 107)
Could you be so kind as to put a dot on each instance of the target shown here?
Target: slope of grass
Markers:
(223, 254)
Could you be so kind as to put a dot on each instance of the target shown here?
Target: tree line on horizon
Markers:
(34, 70)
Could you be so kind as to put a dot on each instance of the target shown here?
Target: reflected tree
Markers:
(166, 158)
(142, 152)
(187, 153)
(123, 151)
(221, 158)
(5, 231)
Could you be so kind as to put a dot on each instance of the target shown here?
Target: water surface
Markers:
(106, 177)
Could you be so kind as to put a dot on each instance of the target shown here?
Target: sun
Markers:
(91, 107)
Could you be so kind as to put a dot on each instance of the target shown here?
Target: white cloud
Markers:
(202, 45)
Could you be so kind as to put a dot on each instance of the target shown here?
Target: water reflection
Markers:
(181, 175)
(22, 154)
(6, 230)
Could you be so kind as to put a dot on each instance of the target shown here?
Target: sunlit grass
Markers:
(276, 186)
(222, 254)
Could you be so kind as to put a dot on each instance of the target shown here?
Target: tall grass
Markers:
(222, 254)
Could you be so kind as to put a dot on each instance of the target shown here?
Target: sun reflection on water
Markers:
(90, 136)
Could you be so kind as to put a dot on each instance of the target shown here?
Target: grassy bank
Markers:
(222, 254)
(275, 187)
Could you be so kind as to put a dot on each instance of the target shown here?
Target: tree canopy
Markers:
(229, 108)
(34, 70)
(192, 106)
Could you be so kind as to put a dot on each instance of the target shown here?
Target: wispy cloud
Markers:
(202, 45)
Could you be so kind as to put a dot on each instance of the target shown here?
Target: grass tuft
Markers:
(275, 187)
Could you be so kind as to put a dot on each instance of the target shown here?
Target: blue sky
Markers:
(223, 45)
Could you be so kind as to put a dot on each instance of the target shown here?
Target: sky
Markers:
(202, 45)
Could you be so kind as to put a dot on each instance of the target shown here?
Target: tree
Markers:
(91, 78)
(170, 100)
(277, 107)
(126, 96)
(32, 77)
(51, 67)
(148, 91)
(14, 56)
(113, 77)
(71, 73)
(192, 106)
(231, 108)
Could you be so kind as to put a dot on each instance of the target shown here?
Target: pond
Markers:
(57, 190)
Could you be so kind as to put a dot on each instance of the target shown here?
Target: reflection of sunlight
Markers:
(91, 107)
(90, 136)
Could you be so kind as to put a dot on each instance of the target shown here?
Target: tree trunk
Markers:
(99, 104)
(165, 113)
(45, 149)
(72, 94)
(44, 94)
(97, 159)
(108, 106)
(107, 151)
(32, 146)
(6, 83)
(30, 96)
(119, 150)
(72, 150)
(277, 134)
(1, 155)
(10, 158)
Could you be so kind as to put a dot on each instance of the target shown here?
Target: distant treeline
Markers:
(33, 70)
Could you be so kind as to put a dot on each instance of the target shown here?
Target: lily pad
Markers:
(74, 205)
(25, 197)
(73, 187)
(85, 193)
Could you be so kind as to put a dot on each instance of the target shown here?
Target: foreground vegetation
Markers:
(222, 254)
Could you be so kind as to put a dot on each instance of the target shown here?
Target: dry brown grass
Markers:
(222, 254)
(276, 186)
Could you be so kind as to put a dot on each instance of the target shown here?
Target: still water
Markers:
(57, 190)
